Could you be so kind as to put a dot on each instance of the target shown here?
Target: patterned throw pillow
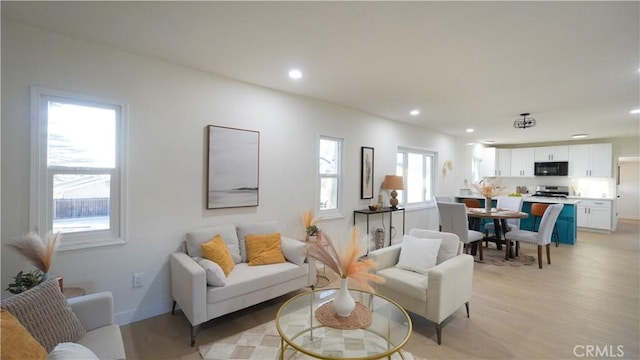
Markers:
(216, 250)
(45, 313)
(264, 249)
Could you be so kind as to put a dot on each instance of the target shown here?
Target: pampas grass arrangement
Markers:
(36, 249)
(343, 259)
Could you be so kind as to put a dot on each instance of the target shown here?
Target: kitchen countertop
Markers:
(528, 198)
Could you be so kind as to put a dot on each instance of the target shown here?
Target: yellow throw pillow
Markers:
(218, 252)
(263, 249)
(17, 343)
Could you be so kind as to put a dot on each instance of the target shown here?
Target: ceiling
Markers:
(573, 65)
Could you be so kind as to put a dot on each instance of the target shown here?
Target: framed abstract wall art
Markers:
(366, 172)
(232, 167)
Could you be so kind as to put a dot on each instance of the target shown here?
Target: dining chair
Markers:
(453, 219)
(510, 203)
(473, 203)
(542, 237)
(537, 210)
(444, 198)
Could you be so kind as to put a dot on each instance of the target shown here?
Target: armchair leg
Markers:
(540, 256)
(480, 248)
(467, 306)
(439, 333)
(194, 329)
(173, 309)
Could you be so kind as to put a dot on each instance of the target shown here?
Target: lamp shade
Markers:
(393, 182)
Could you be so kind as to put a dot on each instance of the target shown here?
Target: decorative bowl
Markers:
(373, 207)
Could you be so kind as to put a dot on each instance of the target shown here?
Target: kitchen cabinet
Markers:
(594, 214)
(551, 153)
(522, 162)
(590, 160)
(495, 162)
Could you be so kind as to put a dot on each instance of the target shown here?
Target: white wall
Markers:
(168, 109)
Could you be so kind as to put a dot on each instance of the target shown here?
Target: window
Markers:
(416, 168)
(330, 175)
(77, 168)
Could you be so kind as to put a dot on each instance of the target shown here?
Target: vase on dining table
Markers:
(343, 303)
(487, 204)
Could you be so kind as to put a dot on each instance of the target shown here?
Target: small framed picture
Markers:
(366, 172)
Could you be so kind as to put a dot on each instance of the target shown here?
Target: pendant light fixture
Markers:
(525, 122)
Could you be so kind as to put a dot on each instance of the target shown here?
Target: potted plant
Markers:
(25, 281)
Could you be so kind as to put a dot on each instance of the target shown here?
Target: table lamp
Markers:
(393, 183)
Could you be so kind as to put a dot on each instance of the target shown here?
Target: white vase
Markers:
(343, 303)
(487, 204)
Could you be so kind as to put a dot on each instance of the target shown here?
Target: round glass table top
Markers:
(301, 331)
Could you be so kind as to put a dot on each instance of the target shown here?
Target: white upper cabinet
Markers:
(522, 162)
(495, 162)
(551, 153)
(590, 160)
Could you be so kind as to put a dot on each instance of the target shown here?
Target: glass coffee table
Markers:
(304, 337)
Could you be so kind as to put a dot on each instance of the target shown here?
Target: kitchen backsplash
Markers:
(588, 187)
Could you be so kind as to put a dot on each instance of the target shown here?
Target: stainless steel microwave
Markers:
(555, 168)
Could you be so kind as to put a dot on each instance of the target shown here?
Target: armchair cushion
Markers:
(418, 254)
(69, 351)
(45, 313)
(449, 247)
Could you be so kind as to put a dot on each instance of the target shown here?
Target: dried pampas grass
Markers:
(38, 250)
(343, 259)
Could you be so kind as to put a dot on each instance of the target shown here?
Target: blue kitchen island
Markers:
(566, 224)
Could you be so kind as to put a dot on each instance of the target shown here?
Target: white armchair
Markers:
(435, 293)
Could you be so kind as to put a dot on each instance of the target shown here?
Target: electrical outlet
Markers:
(138, 279)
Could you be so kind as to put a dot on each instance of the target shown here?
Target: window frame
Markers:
(338, 211)
(41, 178)
(431, 180)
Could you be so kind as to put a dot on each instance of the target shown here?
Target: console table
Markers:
(390, 211)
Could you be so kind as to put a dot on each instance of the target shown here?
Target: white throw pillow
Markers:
(294, 251)
(215, 274)
(71, 351)
(418, 254)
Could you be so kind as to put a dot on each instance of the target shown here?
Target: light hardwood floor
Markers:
(587, 297)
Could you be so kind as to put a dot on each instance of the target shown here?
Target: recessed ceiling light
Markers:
(579, 136)
(635, 111)
(415, 112)
(469, 144)
(470, 130)
(295, 74)
(489, 142)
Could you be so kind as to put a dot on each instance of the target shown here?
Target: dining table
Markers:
(499, 217)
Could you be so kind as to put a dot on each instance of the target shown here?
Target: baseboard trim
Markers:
(142, 313)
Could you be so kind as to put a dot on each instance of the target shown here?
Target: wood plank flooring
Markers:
(589, 297)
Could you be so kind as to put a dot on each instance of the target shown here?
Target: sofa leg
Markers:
(467, 306)
(439, 333)
(173, 309)
(194, 329)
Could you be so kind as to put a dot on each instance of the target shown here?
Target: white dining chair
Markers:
(444, 198)
(542, 237)
(510, 203)
(453, 219)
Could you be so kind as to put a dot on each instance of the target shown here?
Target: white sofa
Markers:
(434, 295)
(246, 285)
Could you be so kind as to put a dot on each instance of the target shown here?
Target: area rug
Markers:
(261, 342)
(492, 256)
